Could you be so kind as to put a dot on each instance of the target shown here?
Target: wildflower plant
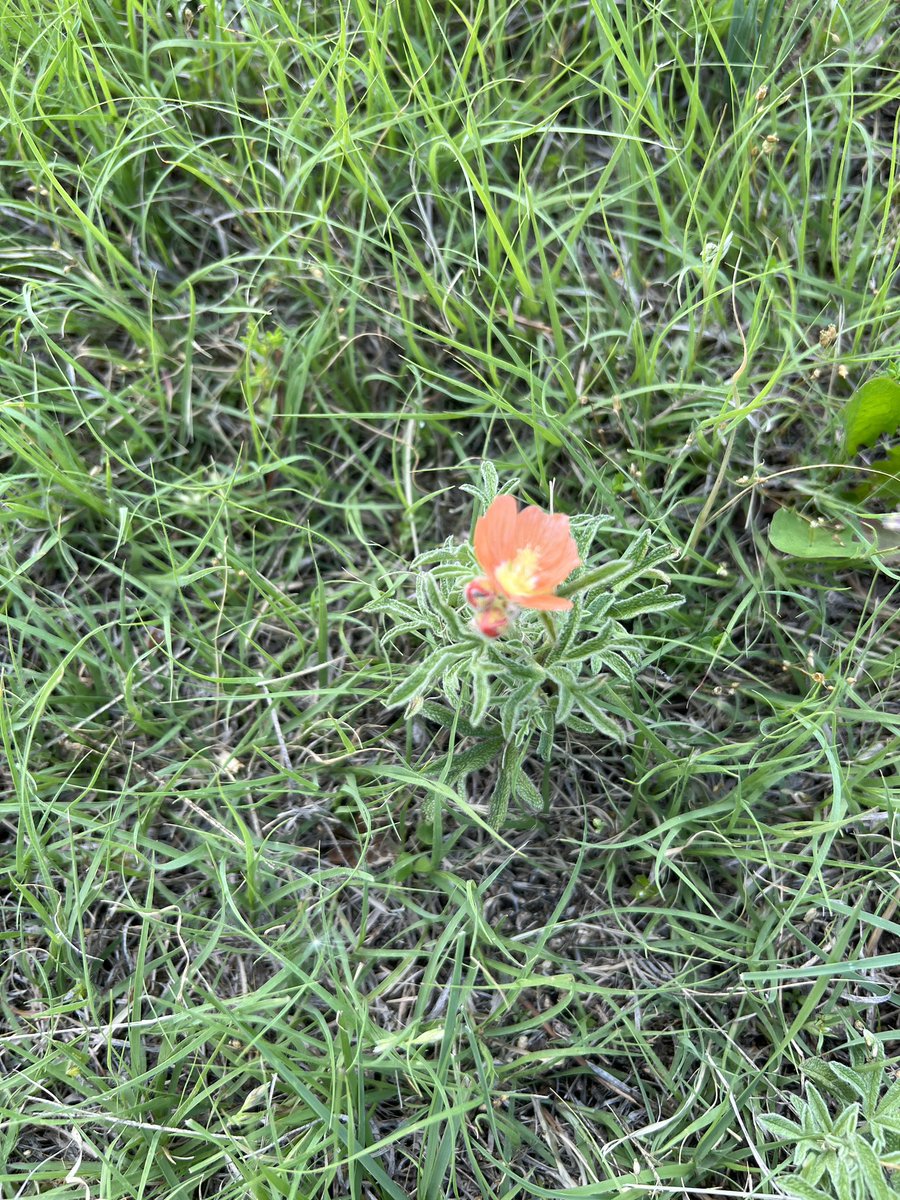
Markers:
(519, 639)
(845, 1131)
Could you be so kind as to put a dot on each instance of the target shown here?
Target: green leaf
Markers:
(500, 799)
(839, 1173)
(795, 535)
(873, 410)
(820, 1071)
(638, 547)
(566, 684)
(818, 1108)
(619, 572)
(565, 702)
(846, 1123)
(421, 679)
(398, 631)
(450, 549)
(784, 1130)
(481, 696)
(883, 480)
(545, 745)
(398, 609)
(433, 601)
(570, 629)
(451, 686)
(597, 608)
(490, 480)
(578, 724)
(656, 599)
(864, 1083)
(890, 1102)
(513, 705)
(799, 1189)
(448, 719)
(593, 645)
(873, 1172)
(598, 717)
(605, 575)
(528, 795)
(475, 758)
(615, 661)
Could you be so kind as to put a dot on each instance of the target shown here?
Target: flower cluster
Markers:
(525, 556)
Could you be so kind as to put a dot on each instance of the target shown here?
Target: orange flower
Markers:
(525, 556)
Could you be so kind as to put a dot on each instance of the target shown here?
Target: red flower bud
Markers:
(492, 621)
(477, 594)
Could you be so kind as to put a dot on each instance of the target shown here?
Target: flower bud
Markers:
(492, 621)
(477, 594)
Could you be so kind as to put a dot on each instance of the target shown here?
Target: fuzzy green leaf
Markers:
(450, 683)
(598, 717)
(474, 758)
(820, 1071)
(418, 681)
(783, 1129)
(638, 548)
(604, 576)
(578, 724)
(397, 631)
(889, 1105)
(565, 702)
(613, 660)
(817, 1107)
(528, 795)
(566, 685)
(656, 599)
(487, 488)
(447, 718)
(618, 573)
(873, 1172)
(436, 603)
(490, 480)
(583, 650)
(798, 1189)
(513, 707)
(500, 799)
(481, 696)
(545, 745)
(845, 1124)
(399, 610)
(450, 551)
(571, 627)
(865, 1084)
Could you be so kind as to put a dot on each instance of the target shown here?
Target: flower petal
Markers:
(543, 603)
(553, 572)
(495, 534)
(536, 528)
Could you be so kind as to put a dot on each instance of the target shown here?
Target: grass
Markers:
(274, 280)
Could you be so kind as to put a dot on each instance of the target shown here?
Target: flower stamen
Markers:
(518, 576)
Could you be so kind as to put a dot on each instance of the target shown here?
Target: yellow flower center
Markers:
(518, 576)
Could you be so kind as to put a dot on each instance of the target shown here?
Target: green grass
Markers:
(274, 279)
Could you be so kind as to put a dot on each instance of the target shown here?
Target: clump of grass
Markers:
(274, 282)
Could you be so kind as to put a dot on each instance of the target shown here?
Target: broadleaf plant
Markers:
(843, 1141)
(505, 699)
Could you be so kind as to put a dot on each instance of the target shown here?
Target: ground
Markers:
(276, 279)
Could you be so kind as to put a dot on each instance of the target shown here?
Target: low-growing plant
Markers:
(506, 682)
(845, 1141)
